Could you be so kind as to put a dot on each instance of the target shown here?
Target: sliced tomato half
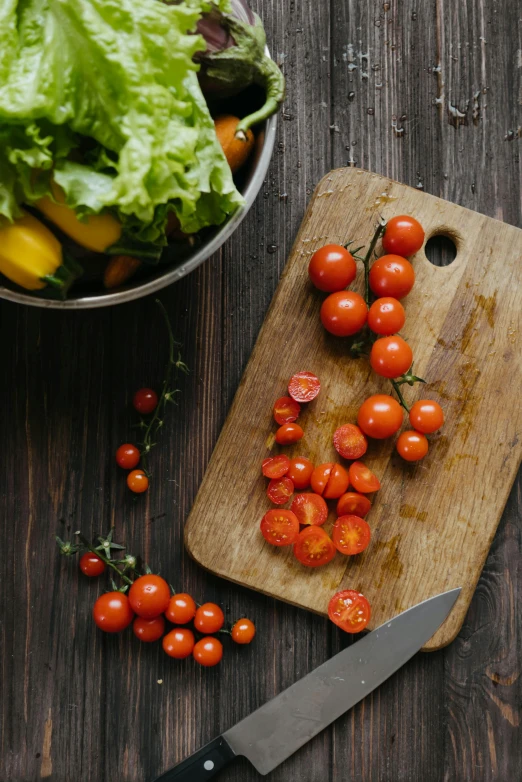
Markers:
(363, 479)
(350, 442)
(313, 547)
(310, 509)
(353, 504)
(286, 410)
(351, 535)
(304, 386)
(280, 490)
(276, 466)
(349, 610)
(280, 527)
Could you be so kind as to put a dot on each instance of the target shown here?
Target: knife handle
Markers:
(202, 765)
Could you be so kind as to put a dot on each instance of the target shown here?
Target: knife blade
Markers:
(276, 730)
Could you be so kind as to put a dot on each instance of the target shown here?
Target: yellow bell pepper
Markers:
(97, 233)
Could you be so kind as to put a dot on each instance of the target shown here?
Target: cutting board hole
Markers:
(440, 250)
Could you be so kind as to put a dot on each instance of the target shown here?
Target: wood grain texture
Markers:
(89, 708)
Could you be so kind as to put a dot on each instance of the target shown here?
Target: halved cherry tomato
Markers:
(181, 609)
(391, 356)
(304, 386)
(386, 316)
(426, 416)
(332, 268)
(288, 433)
(209, 618)
(412, 446)
(380, 416)
(349, 610)
(148, 630)
(276, 466)
(280, 527)
(330, 480)
(313, 547)
(300, 472)
(351, 535)
(350, 442)
(353, 504)
(344, 313)
(179, 643)
(243, 631)
(404, 235)
(363, 479)
(286, 410)
(310, 509)
(280, 490)
(149, 596)
(208, 651)
(392, 275)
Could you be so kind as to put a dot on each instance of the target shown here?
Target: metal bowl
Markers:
(163, 275)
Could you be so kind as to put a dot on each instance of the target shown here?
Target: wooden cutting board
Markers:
(432, 524)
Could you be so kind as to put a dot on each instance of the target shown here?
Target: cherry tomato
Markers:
(392, 275)
(148, 630)
(209, 618)
(412, 446)
(286, 410)
(243, 631)
(112, 612)
(332, 268)
(349, 610)
(426, 416)
(330, 480)
(276, 466)
(181, 609)
(351, 535)
(280, 490)
(280, 527)
(350, 442)
(127, 456)
(391, 356)
(179, 643)
(208, 652)
(313, 547)
(145, 400)
(353, 504)
(149, 596)
(91, 565)
(362, 478)
(310, 509)
(403, 235)
(380, 416)
(288, 433)
(344, 313)
(300, 472)
(137, 481)
(386, 316)
(304, 386)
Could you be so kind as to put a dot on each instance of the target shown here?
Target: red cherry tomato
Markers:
(349, 610)
(363, 479)
(380, 416)
(288, 434)
(276, 466)
(145, 400)
(386, 316)
(137, 481)
(286, 410)
(280, 490)
(344, 313)
(149, 596)
(179, 643)
(304, 386)
(351, 535)
(320, 477)
(127, 456)
(426, 416)
(403, 235)
(112, 612)
(208, 652)
(181, 609)
(209, 618)
(391, 356)
(91, 565)
(310, 509)
(330, 480)
(243, 631)
(353, 504)
(412, 446)
(392, 275)
(313, 547)
(350, 442)
(332, 268)
(148, 630)
(300, 472)
(280, 527)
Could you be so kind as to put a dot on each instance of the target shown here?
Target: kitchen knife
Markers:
(276, 730)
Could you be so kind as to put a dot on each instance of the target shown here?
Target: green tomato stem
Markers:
(402, 401)
(103, 558)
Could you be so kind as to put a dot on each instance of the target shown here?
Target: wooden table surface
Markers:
(427, 93)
